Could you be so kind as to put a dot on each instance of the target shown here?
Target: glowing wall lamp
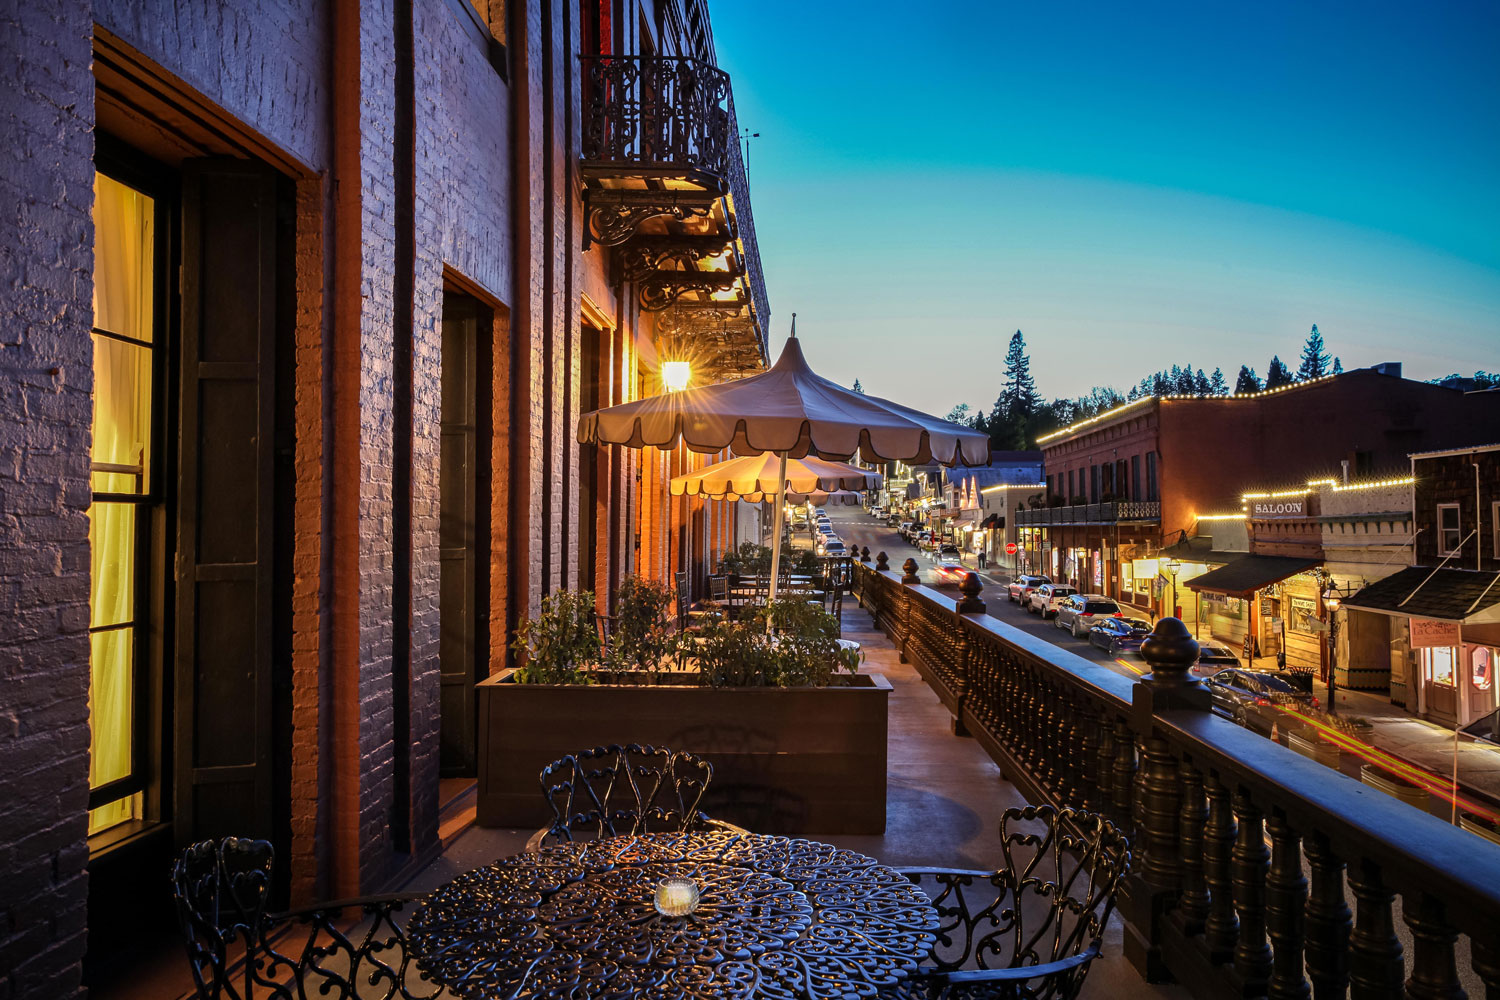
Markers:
(675, 375)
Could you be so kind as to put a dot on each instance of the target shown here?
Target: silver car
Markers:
(1079, 613)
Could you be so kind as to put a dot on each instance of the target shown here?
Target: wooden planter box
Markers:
(1307, 743)
(786, 760)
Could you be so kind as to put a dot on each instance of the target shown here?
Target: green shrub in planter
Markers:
(799, 649)
(561, 645)
(641, 643)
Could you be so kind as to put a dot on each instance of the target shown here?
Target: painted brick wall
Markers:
(46, 381)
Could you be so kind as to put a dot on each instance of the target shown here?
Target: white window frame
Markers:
(1457, 529)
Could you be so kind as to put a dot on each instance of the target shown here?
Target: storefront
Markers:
(1451, 623)
(1265, 606)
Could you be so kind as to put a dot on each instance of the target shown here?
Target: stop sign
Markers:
(1010, 548)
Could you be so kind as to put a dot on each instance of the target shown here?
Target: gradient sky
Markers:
(1131, 185)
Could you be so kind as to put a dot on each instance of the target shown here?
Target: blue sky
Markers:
(1131, 185)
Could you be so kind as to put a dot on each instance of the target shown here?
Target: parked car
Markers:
(1486, 727)
(1119, 635)
(831, 546)
(949, 572)
(1021, 587)
(1045, 599)
(1216, 654)
(1079, 612)
(893, 521)
(904, 529)
(1255, 699)
(948, 550)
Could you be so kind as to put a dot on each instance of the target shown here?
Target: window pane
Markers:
(116, 812)
(122, 416)
(111, 705)
(112, 584)
(124, 259)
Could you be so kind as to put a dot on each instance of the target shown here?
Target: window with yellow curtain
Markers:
(124, 341)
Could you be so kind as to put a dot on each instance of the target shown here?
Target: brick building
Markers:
(305, 300)
(1127, 483)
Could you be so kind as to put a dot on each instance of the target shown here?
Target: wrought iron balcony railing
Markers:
(1259, 871)
(1092, 513)
(657, 140)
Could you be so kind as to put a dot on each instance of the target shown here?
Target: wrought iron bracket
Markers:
(612, 217)
(661, 289)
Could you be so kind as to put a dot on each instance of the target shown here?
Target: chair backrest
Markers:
(681, 580)
(237, 951)
(629, 789)
(1048, 904)
(718, 589)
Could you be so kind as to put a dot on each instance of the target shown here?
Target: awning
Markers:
(1199, 549)
(993, 521)
(1450, 595)
(1245, 576)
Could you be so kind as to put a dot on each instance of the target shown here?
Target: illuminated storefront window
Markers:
(1482, 667)
(1439, 665)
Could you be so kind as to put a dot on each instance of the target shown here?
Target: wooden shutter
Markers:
(222, 675)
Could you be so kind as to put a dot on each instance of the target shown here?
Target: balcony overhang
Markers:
(665, 186)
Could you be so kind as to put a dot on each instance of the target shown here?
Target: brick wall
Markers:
(46, 358)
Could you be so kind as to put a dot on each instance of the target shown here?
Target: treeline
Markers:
(1020, 414)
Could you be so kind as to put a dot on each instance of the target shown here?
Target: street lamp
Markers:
(1172, 566)
(1331, 602)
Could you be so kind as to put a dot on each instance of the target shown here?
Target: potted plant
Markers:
(796, 735)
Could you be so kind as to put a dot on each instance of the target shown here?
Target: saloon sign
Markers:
(1280, 508)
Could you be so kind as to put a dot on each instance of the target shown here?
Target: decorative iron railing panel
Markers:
(659, 116)
(1261, 871)
(1092, 513)
(744, 224)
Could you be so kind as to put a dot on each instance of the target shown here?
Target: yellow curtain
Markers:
(124, 222)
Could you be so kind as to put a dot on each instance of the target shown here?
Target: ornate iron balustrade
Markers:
(1211, 905)
(658, 119)
(1093, 513)
(744, 225)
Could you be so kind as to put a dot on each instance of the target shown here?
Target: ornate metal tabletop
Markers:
(777, 918)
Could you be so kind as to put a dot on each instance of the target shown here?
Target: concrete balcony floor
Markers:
(945, 801)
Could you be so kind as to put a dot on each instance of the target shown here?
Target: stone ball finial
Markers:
(909, 571)
(970, 588)
(1170, 651)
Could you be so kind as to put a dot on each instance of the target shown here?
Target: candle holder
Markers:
(676, 897)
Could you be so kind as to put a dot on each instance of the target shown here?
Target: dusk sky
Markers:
(1130, 185)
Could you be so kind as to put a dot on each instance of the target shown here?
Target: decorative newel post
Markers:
(1170, 651)
(864, 554)
(908, 578)
(882, 562)
(909, 571)
(970, 588)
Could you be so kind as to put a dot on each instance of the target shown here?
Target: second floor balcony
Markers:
(1109, 512)
(664, 184)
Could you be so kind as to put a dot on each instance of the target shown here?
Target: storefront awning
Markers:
(1200, 549)
(993, 521)
(1450, 595)
(1246, 575)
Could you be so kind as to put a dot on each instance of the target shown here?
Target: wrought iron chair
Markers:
(681, 581)
(346, 949)
(617, 790)
(1031, 929)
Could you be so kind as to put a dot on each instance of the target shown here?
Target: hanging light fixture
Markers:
(675, 375)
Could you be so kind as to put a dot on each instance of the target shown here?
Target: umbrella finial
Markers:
(794, 326)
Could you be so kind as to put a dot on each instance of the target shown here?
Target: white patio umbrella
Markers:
(769, 474)
(791, 412)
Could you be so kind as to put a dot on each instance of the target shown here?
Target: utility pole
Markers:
(745, 136)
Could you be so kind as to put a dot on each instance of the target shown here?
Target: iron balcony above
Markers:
(657, 141)
(1112, 512)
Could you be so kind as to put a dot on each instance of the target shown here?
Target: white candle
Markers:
(676, 897)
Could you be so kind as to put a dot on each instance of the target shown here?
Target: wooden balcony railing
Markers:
(1260, 872)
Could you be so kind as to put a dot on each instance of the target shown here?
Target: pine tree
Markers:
(1247, 381)
(1314, 358)
(858, 388)
(1216, 383)
(1018, 400)
(1277, 374)
(958, 415)
(1201, 385)
(1161, 384)
(1338, 366)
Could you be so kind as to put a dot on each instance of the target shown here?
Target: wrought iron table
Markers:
(778, 918)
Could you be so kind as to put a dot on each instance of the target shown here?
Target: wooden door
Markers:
(222, 680)
(459, 535)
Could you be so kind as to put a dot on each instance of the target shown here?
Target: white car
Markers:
(1045, 599)
(831, 547)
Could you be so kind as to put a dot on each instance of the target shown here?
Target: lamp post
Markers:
(1173, 566)
(1331, 602)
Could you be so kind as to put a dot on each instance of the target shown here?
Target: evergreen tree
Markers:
(958, 415)
(1015, 409)
(1314, 358)
(1247, 381)
(1338, 366)
(1185, 384)
(1216, 383)
(1201, 385)
(858, 388)
(1161, 384)
(1277, 374)
(979, 423)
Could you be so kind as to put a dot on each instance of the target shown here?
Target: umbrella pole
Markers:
(776, 520)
